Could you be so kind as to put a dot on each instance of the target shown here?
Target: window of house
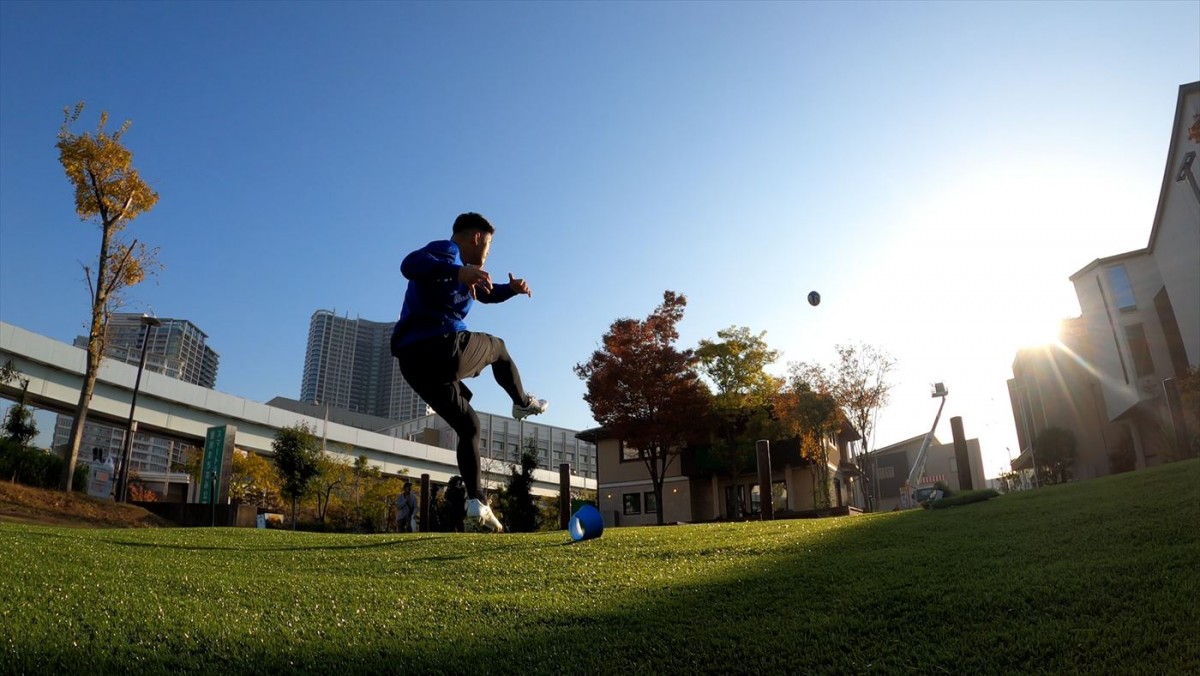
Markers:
(651, 502)
(633, 503)
(628, 453)
(1118, 279)
(954, 465)
(1139, 349)
(779, 494)
(886, 473)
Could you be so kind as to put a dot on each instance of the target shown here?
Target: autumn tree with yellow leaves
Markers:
(108, 191)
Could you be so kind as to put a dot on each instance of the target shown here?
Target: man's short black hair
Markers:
(472, 221)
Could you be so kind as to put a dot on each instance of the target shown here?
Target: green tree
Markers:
(253, 481)
(364, 473)
(743, 403)
(379, 502)
(107, 190)
(19, 425)
(190, 462)
(645, 391)
(332, 471)
(1056, 450)
(297, 458)
(519, 505)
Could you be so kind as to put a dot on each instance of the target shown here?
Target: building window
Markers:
(1118, 279)
(1135, 335)
(886, 473)
(651, 502)
(629, 453)
(953, 465)
(633, 503)
(779, 494)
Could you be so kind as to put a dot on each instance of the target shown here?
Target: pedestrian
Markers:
(406, 509)
(435, 509)
(436, 351)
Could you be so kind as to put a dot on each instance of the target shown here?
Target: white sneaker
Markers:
(481, 519)
(534, 407)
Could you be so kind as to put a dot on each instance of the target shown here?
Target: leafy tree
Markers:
(364, 473)
(1055, 451)
(19, 425)
(332, 471)
(743, 404)
(859, 384)
(645, 391)
(297, 458)
(809, 411)
(379, 501)
(519, 505)
(253, 480)
(108, 190)
(190, 462)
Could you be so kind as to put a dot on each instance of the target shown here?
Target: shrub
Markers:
(36, 467)
(963, 498)
(140, 493)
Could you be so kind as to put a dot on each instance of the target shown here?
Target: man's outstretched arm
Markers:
(502, 292)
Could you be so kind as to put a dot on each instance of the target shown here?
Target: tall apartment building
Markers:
(348, 365)
(177, 349)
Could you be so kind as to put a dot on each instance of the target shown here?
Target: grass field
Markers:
(1096, 577)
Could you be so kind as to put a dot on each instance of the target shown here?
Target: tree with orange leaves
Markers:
(645, 391)
(108, 190)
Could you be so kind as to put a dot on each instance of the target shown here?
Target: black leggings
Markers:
(435, 368)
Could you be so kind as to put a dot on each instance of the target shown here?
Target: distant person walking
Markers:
(406, 509)
(437, 352)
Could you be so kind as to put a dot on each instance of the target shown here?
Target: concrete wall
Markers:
(1177, 229)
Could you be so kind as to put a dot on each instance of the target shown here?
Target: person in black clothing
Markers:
(436, 351)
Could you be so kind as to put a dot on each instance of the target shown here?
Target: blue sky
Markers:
(935, 170)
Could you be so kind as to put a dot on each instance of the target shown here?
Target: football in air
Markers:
(814, 298)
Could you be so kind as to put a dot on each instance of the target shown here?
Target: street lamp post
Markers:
(123, 481)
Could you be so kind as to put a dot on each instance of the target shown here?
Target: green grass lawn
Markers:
(1097, 577)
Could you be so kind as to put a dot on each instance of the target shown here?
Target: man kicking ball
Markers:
(437, 352)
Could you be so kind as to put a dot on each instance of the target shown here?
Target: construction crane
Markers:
(918, 468)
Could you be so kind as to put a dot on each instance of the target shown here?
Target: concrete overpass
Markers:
(180, 410)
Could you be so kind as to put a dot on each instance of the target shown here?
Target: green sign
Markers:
(214, 448)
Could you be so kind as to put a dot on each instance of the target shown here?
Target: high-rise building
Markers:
(348, 365)
(177, 349)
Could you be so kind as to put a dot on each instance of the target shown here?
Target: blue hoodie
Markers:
(436, 303)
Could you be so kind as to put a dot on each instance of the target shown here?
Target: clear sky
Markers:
(936, 170)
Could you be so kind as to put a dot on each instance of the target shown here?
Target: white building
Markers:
(501, 442)
(1141, 309)
(176, 348)
(348, 364)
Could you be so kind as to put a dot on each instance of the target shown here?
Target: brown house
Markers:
(696, 488)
